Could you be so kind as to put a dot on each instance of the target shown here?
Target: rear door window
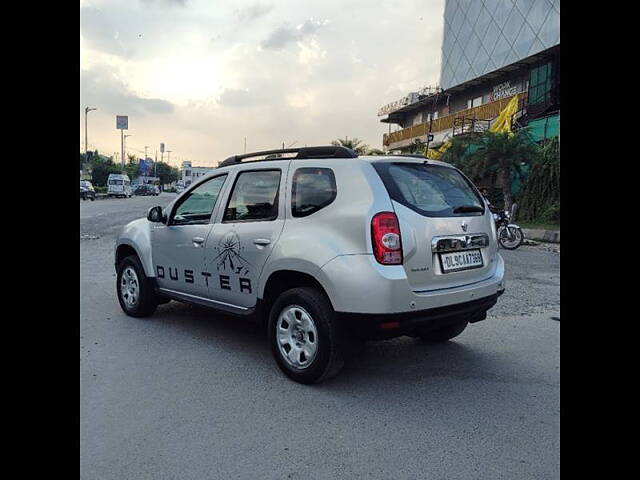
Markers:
(254, 197)
(313, 189)
(431, 190)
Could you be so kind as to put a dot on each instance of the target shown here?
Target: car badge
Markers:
(464, 226)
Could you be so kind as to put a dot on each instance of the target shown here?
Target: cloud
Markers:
(167, 3)
(98, 29)
(284, 35)
(253, 12)
(236, 97)
(201, 82)
(100, 86)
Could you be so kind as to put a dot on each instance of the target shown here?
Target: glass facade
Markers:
(481, 36)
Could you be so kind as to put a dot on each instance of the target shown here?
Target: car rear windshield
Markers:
(431, 190)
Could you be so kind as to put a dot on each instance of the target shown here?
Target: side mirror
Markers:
(155, 215)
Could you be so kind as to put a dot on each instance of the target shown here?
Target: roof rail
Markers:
(329, 151)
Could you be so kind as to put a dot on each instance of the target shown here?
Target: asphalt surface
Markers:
(187, 394)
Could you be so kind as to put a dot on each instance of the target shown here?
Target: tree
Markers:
(102, 167)
(502, 153)
(131, 168)
(418, 147)
(375, 151)
(354, 144)
(461, 154)
(541, 195)
(167, 173)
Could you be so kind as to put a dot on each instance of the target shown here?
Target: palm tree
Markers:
(375, 151)
(354, 144)
(418, 147)
(503, 153)
(458, 155)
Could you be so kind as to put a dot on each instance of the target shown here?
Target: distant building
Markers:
(189, 174)
(491, 51)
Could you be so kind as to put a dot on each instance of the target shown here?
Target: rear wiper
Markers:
(468, 209)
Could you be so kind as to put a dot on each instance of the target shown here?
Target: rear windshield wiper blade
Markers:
(468, 209)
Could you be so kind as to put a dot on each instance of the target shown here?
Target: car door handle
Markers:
(197, 241)
(262, 241)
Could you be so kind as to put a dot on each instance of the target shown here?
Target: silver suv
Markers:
(324, 248)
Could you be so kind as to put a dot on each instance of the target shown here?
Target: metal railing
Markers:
(487, 111)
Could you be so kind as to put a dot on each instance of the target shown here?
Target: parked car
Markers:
(144, 189)
(119, 185)
(324, 249)
(87, 190)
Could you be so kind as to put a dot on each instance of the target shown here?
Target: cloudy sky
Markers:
(201, 75)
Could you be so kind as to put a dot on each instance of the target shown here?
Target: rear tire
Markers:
(444, 334)
(135, 291)
(307, 340)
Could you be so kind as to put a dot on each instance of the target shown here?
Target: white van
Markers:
(119, 185)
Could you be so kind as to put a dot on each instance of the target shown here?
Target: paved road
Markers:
(190, 395)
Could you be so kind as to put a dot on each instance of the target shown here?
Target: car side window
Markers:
(197, 205)
(312, 190)
(254, 197)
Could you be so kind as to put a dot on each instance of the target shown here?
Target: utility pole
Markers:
(122, 148)
(122, 124)
(86, 111)
(145, 152)
(125, 143)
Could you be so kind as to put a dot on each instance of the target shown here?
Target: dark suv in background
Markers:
(145, 190)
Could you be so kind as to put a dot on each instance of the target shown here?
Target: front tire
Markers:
(512, 243)
(307, 340)
(444, 334)
(135, 291)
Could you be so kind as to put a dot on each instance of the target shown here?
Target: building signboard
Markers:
(122, 122)
(409, 99)
(504, 90)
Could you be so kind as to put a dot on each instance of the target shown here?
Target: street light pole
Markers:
(86, 111)
(124, 150)
(169, 156)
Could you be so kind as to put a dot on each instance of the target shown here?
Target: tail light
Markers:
(386, 239)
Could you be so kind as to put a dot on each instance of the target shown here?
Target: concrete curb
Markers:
(552, 236)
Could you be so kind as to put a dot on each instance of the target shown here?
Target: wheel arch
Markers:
(280, 281)
(135, 239)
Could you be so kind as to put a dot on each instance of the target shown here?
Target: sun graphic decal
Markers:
(229, 255)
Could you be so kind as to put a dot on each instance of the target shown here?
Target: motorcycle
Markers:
(510, 235)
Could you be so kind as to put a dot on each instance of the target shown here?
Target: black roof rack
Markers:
(329, 151)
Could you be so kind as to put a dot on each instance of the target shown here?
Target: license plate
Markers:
(457, 261)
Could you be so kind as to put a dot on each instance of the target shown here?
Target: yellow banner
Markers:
(501, 124)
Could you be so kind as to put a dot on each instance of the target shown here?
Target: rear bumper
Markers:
(356, 283)
(390, 325)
